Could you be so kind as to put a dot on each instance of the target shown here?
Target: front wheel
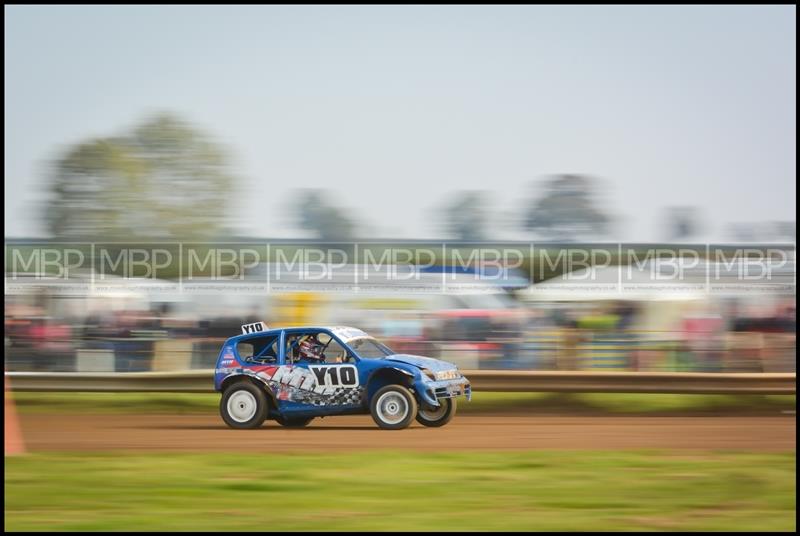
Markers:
(393, 407)
(440, 416)
(243, 405)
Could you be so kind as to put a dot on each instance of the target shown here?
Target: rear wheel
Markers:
(440, 416)
(393, 407)
(243, 405)
(294, 422)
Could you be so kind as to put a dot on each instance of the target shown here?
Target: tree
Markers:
(164, 179)
(316, 213)
(567, 210)
(466, 217)
(682, 223)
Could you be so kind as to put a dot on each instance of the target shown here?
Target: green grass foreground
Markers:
(531, 403)
(543, 490)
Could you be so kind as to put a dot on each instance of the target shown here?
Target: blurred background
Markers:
(506, 188)
(468, 130)
(736, 314)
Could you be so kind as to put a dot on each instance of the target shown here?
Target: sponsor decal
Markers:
(320, 385)
(336, 376)
(228, 358)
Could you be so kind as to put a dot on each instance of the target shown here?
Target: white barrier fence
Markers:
(201, 381)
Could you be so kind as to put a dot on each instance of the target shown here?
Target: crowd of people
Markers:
(548, 336)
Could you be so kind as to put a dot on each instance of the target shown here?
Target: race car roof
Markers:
(345, 333)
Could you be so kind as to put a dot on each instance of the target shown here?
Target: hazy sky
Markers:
(395, 108)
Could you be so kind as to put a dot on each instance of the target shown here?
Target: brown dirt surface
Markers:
(207, 433)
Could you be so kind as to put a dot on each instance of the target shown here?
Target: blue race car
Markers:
(293, 375)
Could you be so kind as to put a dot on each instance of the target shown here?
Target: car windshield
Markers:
(369, 348)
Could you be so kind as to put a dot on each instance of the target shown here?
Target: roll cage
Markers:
(281, 336)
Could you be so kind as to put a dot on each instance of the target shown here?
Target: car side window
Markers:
(260, 350)
(293, 342)
(333, 351)
(292, 348)
(245, 350)
(336, 353)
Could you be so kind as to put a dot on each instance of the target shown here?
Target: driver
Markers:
(310, 348)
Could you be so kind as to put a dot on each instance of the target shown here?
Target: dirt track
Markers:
(208, 433)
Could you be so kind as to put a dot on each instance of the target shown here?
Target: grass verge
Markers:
(543, 490)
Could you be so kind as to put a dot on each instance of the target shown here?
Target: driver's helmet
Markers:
(311, 348)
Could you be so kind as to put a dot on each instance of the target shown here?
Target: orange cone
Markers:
(14, 444)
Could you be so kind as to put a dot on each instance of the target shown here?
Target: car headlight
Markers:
(452, 374)
(429, 373)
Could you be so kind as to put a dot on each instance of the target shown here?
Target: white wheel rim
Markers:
(392, 407)
(435, 414)
(242, 406)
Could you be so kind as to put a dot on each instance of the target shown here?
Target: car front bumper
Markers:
(433, 391)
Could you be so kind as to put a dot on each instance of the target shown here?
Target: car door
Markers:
(320, 387)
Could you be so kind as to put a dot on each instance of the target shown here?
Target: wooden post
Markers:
(13, 434)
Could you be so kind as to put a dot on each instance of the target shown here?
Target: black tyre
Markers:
(440, 416)
(294, 422)
(244, 405)
(393, 407)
